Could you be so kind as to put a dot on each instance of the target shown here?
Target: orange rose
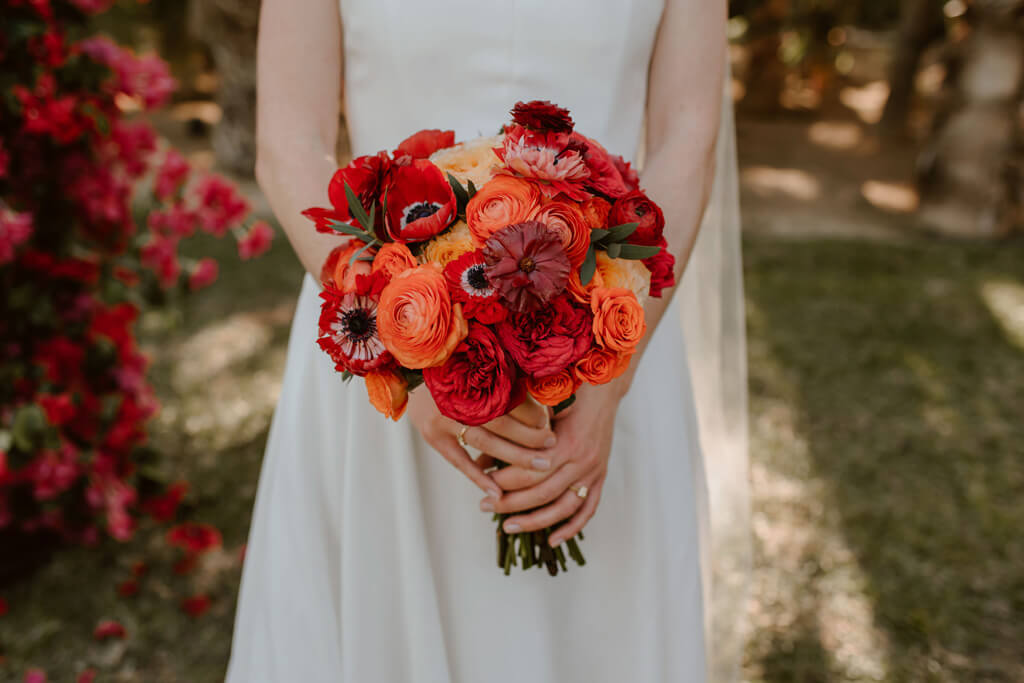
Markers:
(388, 392)
(416, 319)
(504, 200)
(576, 289)
(568, 221)
(618, 318)
(392, 259)
(596, 211)
(552, 390)
(448, 246)
(601, 366)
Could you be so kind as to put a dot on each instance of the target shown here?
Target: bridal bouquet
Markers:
(490, 270)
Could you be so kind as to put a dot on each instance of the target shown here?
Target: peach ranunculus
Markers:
(503, 201)
(553, 389)
(449, 245)
(472, 160)
(596, 211)
(630, 274)
(416, 319)
(388, 392)
(601, 366)
(619, 323)
(568, 221)
(392, 259)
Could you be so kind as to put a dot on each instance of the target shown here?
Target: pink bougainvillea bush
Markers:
(93, 210)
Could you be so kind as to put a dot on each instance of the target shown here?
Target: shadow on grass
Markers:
(906, 396)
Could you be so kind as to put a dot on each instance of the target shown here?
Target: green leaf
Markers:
(346, 376)
(614, 249)
(472, 189)
(355, 207)
(360, 252)
(588, 267)
(598, 234)
(564, 404)
(347, 229)
(620, 232)
(635, 251)
(461, 196)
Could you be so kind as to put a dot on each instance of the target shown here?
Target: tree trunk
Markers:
(966, 171)
(920, 25)
(228, 29)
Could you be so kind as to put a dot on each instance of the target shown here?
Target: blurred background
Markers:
(881, 158)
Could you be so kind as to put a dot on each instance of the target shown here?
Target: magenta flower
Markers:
(527, 264)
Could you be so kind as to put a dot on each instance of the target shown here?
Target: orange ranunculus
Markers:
(388, 392)
(601, 366)
(503, 201)
(618, 318)
(576, 289)
(596, 211)
(568, 221)
(552, 390)
(449, 245)
(629, 274)
(392, 259)
(416, 319)
(337, 269)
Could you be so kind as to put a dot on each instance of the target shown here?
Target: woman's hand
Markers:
(511, 438)
(580, 458)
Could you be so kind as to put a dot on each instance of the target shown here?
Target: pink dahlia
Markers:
(527, 264)
(547, 158)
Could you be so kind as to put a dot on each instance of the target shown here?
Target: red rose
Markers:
(548, 340)
(662, 266)
(478, 382)
(420, 202)
(424, 143)
(636, 207)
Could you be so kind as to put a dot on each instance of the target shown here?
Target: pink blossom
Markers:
(220, 205)
(15, 229)
(133, 143)
(256, 241)
(108, 628)
(53, 472)
(174, 221)
(203, 274)
(35, 676)
(161, 256)
(92, 6)
(146, 77)
(170, 175)
(87, 676)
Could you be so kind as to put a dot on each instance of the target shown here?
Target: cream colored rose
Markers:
(471, 160)
(629, 274)
(448, 246)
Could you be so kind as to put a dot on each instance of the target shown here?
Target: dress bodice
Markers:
(462, 64)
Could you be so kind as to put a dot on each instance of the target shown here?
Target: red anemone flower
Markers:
(470, 286)
(424, 143)
(348, 326)
(420, 202)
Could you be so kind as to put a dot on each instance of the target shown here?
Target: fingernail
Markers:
(494, 493)
(550, 442)
(487, 505)
(555, 541)
(540, 464)
(512, 527)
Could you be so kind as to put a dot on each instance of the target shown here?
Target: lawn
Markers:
(887, 453)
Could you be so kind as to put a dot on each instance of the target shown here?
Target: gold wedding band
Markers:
(581, 491)
(462, 437)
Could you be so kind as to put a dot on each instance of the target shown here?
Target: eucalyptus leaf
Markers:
(598, 234)
(359, 253)
(346, 376)
(347, 229)
(588, 267)
(355, 207)
(471, 188)
(614, 249)
(636, 251)
(621, 232)
(461, 196)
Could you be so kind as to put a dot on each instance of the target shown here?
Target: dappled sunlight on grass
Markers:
(867, 100)
(837, 135)
(893, 197)
(791, 182)
(1005, 301)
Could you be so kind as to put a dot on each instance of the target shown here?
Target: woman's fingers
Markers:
(535, 496)
(581, 518)
(495, 446)
(513, 478)
(449, 447)
(561, 508)
(511, 429)
(532, 414)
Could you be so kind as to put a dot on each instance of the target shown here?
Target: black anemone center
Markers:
(421, 210)
(358, 323)
(476, 278)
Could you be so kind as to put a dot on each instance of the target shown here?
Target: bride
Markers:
(371, 559)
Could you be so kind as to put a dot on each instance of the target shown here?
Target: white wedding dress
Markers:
(369, 560)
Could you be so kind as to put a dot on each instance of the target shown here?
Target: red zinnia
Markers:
(424, 143)
(527, 264)
(478, 381)
(348, 326)
(194, 537)
(541, 115)
(420, 202)
(470, 286)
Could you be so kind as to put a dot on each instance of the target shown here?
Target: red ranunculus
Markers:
(548, 340)
(478, 382)
(662, 266)
(424, 143)
(636, 207)
(420, 202)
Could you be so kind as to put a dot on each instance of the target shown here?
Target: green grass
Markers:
(888, 467)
